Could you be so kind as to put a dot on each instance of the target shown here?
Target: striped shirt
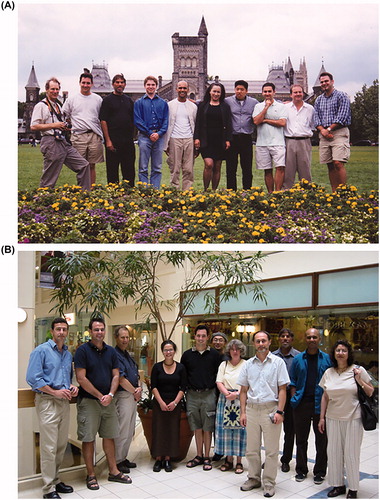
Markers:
(333, 109)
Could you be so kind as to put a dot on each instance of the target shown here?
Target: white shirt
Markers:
(84, 113)
(263, 378)
(269, 135)
(182, 128)
(342, 391)
(228, 374)
(300, 122)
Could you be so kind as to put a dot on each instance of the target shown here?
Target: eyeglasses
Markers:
(168, 350)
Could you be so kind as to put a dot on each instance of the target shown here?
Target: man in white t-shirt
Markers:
(179, 144)
(270, 118)
(83, 112)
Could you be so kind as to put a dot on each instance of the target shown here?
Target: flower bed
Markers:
(120, 214)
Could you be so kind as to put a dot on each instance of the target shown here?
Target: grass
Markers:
(362, 170)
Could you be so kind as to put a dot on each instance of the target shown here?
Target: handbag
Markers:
(231, 414)
(368, 414)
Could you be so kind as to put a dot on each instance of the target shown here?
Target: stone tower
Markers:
(32, 92)
(190, 62)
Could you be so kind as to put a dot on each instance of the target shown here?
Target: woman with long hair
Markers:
(213, 133)
(168, 383)
(341, 418)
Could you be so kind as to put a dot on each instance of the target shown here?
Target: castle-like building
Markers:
(190, 57)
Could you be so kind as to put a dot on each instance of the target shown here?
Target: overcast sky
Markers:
(243, 41)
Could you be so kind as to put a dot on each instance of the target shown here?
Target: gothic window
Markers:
(182, 62)
(194, 62)
(188, 62)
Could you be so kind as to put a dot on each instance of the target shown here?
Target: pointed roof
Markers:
(288, 65)
(322, 70)
(32, 81)
(203, 28)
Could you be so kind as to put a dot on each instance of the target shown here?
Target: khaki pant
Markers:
(298, 160)
(54, 418)
(126, 413)
(181, 157)
(260, 427)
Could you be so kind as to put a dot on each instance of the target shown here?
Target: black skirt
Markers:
(165, 430)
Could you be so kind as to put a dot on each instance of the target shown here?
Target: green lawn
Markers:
(362, 170)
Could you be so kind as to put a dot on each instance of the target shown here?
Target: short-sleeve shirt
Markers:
(228, 374)
(41, 114)
(117, 111)
(269, 135)
(342, 391)
(263, 378)
(98, 364)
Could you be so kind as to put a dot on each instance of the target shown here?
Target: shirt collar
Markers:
(269, 356)
(93, 346)
(195, 349)
(54, 346)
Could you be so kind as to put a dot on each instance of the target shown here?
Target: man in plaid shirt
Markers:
(332, 117)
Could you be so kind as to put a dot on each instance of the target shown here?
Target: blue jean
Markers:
(150, 151)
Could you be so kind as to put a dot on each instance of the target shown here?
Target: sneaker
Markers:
(300, 477)
(318, 479)
(285, 467)
(268, 491)
(250, 484)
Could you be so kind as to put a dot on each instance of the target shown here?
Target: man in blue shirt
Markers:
(287, 352)
(126, 397)
(242, 107)
(151, 118)
(305, 374)
(49, 374)
(97, 372)
(332, 118)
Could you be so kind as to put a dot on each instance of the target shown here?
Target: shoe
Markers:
(157, 466)
(300, 477)
(63, 488)
(268, 491)
(250, 484)
(336, 491)
(53, 494)
(129, 464)
(92, 483)
(318, 479)
(120, 478)
(167, 465)
(217, 457)
(285, 467)
(352, 494)
(123, 468)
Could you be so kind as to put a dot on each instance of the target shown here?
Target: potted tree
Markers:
(98, 281)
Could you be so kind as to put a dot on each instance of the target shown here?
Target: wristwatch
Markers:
(280, 412)
(110, 394)
(329, 129)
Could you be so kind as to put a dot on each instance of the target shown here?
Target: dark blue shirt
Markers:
(128, 368)
(151, 115)
(98, 364)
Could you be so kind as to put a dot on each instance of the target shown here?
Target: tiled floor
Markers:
(196, 483)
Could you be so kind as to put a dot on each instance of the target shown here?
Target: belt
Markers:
(201, 390)
(297, 138)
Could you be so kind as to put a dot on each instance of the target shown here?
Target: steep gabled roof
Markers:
(32, 80)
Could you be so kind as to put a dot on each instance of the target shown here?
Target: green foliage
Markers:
(100, 281)
(365, 114)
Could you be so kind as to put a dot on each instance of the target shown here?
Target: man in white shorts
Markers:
(270, 118)
(83, 111)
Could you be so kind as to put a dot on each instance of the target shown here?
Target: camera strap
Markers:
(50, 105)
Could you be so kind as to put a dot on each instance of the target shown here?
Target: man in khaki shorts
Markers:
(270, 118)
(201, 363)
(97, 371)
(332, 118)
(83, 111)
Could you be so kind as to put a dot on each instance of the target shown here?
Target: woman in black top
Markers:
(213, 133)
(168, 382)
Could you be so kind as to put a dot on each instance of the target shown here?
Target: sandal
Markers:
(194, 462)
(92, 483)
(120, 478)
(239, 468)
(207, 465)
(226, 466)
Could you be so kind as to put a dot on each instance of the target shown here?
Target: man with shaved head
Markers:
(305, 374)
(179, 144)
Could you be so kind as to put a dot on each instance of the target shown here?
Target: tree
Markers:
(365, 113)
(98, 281)
(20, 109)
